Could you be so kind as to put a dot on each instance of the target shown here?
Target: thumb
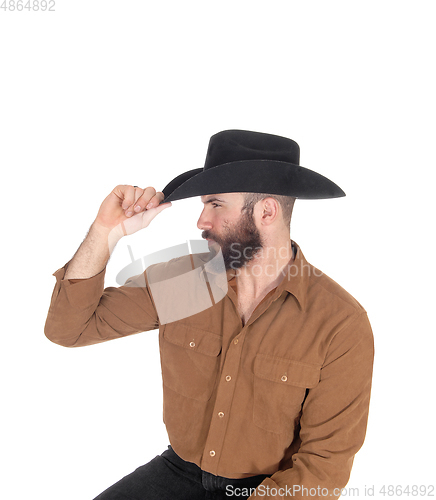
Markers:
(143, 219)
(150, 214)
(134, 224)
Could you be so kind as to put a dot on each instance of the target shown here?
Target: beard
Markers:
(239, 244)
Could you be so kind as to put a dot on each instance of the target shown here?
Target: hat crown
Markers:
(239, 145)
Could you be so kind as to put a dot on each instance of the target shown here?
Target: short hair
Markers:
(286, 203)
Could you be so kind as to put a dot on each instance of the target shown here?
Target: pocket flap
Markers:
(286, 371)
(193, 339)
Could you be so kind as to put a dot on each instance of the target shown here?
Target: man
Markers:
(266, 392)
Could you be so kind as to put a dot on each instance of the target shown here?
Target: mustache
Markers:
(207, 235)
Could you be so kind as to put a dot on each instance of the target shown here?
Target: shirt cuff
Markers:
(80, 292)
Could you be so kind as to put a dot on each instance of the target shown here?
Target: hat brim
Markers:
(253, 176)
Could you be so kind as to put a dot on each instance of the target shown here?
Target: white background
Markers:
(101, 93)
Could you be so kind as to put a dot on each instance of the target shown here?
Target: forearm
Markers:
(86, 313)
(93, 254)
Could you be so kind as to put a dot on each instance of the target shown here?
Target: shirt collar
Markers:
(296, 276)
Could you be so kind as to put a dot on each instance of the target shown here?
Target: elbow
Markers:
(59, 341)
(55, 334)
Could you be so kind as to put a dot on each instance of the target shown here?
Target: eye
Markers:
(215, 205)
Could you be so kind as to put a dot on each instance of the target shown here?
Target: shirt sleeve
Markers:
(83, 312)
(333, 420)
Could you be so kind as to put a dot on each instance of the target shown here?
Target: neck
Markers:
(263, 272)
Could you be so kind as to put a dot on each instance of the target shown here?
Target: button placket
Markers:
(223, 402)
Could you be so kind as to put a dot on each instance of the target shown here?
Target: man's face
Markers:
(234, 231)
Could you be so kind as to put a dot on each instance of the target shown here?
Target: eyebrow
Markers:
(211, 200)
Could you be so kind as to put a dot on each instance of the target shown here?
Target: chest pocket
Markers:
(279, 390)
(190, 360)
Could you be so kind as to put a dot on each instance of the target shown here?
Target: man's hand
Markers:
(129, 203)
(128, 209)
(123, 212)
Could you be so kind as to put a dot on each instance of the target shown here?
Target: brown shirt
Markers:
(286, 394)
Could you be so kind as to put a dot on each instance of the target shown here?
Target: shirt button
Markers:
(284, 378)
(192, 344)
(228, 378)
(235, 341)
(221, 414)
(212, 453)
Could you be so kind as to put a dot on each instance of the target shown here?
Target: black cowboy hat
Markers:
(251, 162)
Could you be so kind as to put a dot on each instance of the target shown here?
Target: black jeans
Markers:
(168, 477)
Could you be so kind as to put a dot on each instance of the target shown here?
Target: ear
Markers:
(269, 211)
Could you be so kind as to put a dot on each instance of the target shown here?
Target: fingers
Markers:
(155, 200)
(128, 193)
(131, 195)
(145, 199)
(135, 200)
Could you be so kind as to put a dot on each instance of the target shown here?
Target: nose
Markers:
(203, 223)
